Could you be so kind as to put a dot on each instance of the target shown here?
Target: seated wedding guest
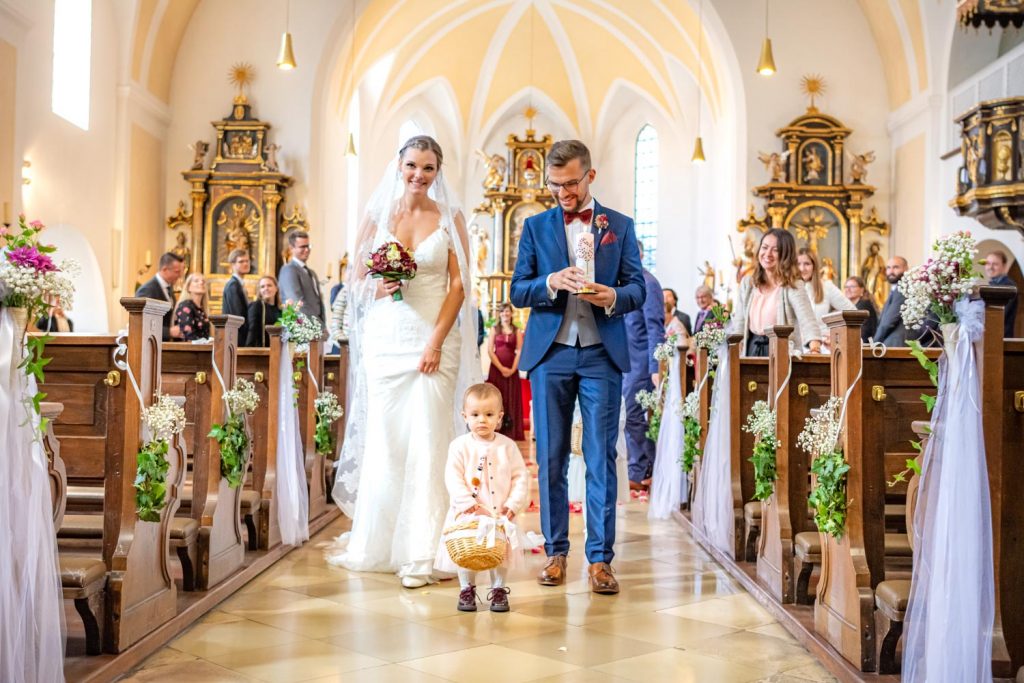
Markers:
(855, 292)
(190, 317)
(503, 347)
(995, 268)
(705, 302)
(774, 295)
(671, 306)
(161, 287)
(264, 311)
(235, 300)
(56, 321)
(824, 295)
(890, 330)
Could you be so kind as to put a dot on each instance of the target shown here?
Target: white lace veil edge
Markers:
(378, 227)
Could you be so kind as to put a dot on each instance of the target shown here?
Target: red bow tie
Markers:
(584, 216)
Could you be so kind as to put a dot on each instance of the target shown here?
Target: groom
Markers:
(576, 347)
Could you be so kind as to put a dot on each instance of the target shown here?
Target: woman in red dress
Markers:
(503, 347)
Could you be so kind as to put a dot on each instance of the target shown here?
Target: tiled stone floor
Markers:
(678, 619)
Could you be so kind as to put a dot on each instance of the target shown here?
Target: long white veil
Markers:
(378, 227)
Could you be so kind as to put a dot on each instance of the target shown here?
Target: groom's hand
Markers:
(604, 295)
(570, 279)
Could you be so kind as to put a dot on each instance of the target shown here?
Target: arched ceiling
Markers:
(581, 51)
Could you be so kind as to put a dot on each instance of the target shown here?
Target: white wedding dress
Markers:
(402, 501)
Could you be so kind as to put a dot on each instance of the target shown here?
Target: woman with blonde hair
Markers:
(774, 295)
(262, 312)
(824, 295)
(190, 316)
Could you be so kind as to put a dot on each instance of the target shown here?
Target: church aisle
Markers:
(679, 618)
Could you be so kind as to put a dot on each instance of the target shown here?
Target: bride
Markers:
(409, 359)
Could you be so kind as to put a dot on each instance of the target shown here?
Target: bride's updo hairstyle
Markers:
(424, 143)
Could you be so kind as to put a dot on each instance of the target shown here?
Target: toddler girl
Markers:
(485, 475)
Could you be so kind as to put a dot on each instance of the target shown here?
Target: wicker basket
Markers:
(466, 552)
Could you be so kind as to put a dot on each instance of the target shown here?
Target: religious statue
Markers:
(859, 166)
(972, 155)
(872, 271)
(745, 263)
(813, 165)
(237, 233)
(240, 146)
(531, 177)
(708, 272)
(495, 165)
(1003, 159)
(774, 163)
(271, 151)
(482, 249)
(200, 148)
(182, 249)
(828, 269)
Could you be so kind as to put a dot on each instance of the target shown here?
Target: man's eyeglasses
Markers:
(555, 188)
(301, 247)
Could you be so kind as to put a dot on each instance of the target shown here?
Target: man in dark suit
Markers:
(645, 329)
(995, 268)
(891, 331)
(161, 287)
(671, 300)
(235, 301)
(705, 302)
(298, 281)
(576, 347)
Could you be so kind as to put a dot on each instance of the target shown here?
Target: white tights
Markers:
(468, 577)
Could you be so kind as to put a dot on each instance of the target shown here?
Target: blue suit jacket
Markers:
(617, 264)
(645, 329)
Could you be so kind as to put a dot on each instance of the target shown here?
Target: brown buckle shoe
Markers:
(467, 599)
(553, 573)
(601, 579)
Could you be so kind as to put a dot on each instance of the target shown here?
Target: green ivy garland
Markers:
(829, 495)
(151, 480)
(691, 443)
(234, 447)
(765, 472)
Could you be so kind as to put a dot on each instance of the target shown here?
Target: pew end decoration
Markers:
(653, 401)
(761, 423)
(241, 400)
(163, 420)
(328, 411)
(30, 281)
(820, 439)
(936, 285)
(299, 329)
(713, 335)
(691, 431)
(932, 368)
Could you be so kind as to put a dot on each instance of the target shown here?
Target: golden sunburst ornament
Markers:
(813, 85)
(240, 76)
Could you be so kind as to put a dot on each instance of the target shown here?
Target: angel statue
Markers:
(859, 166)
(775, 164)
(745, 263)
(482, 248)
(200, 148)
(496, 166)
(271, 151)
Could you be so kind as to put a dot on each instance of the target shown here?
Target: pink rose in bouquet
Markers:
(392, 261)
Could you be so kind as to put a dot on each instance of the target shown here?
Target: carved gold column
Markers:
(852, 261)
(268, 250)
(199, 197)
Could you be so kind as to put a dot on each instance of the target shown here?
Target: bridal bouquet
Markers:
(937, 284)
(392, 261)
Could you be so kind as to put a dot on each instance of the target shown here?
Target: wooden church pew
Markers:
(881, 408)
(254, 365)
(188, 370)
(336, 380)
(308, 390)
(100, 433)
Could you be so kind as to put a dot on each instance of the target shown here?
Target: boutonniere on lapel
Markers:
(601, 223)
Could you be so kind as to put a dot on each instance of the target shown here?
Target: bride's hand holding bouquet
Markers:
(392, 263)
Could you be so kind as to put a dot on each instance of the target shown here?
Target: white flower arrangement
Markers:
(761, 421)
(327, 406)
(165, 418)
(242, 398)
(710, 337)
(648, 400)
(299, 327)
(940, 281)
(688, 407)
(667, 349)
(821, 430)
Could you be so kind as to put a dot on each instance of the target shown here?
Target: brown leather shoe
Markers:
(601, 579)
(553, 573)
